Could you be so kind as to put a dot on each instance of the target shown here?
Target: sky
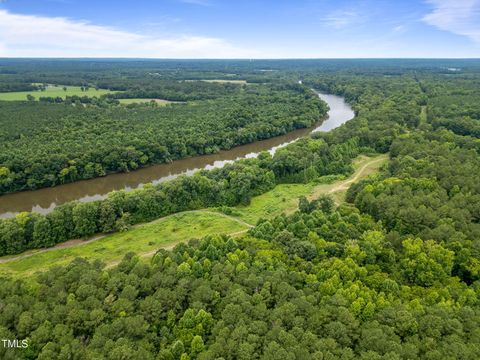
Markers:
(240, 28)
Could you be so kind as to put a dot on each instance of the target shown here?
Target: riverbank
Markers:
(145, 239)
(45, 200)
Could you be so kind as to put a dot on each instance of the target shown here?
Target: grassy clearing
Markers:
(159, 102)
(53, 91)
(423, 114)
(143, 239)
(284, 197)
(222, 81)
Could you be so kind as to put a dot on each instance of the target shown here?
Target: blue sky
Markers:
(240, 29)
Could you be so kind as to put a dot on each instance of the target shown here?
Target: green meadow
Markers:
(146, 239)
(159, 102)
(53, 91)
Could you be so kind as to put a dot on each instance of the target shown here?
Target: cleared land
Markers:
(53, 91)
(227, 81)
(143, 239)
(146, 239)
(222, 81)
(160, 102)
(284, 197)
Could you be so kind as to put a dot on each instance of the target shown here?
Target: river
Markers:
(45, 200)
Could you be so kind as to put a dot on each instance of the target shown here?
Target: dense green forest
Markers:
(46, 144)
(393, 273)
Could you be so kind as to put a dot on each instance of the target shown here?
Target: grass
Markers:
(159, 102)
(423, 114)
(222, 81)
(53, 91)
(284, 197)
(143, 239)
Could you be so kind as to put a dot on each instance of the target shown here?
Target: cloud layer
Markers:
(39, 36)
(461, 17)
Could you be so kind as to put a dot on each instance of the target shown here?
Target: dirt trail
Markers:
(343, 185)
(80, 242)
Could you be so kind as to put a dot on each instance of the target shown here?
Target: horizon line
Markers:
(244, 59)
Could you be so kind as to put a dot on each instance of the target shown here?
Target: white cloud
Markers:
(460, 17)
(340, 19)
(40, 36)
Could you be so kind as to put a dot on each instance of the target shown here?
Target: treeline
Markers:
(233, 184)
(79, 100)
(44, 144)
(173, 90)
(8, 86)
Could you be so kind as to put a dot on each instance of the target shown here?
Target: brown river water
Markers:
(45, 200)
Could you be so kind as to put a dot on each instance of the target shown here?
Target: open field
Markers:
(143, 239)
(146, 239)
(284, 197)
(222, 81)
(53, 91)
(160, 102)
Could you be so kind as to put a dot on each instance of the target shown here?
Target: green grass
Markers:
(423, 115)
(143, 239)
(221, 81)
(284, 197)
(53, 91)
(159, 102)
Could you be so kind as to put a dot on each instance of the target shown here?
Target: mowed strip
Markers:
(284, 197)
(54, 91)
(145, 238)
(159, 102)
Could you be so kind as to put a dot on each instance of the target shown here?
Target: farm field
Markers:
(221, 81)
(53, 91)
(160, 102)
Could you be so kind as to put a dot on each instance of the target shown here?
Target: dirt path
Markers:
(343, 185)
(80, 242)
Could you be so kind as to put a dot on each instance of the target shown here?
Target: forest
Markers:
(44, 144)
(393, 272)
